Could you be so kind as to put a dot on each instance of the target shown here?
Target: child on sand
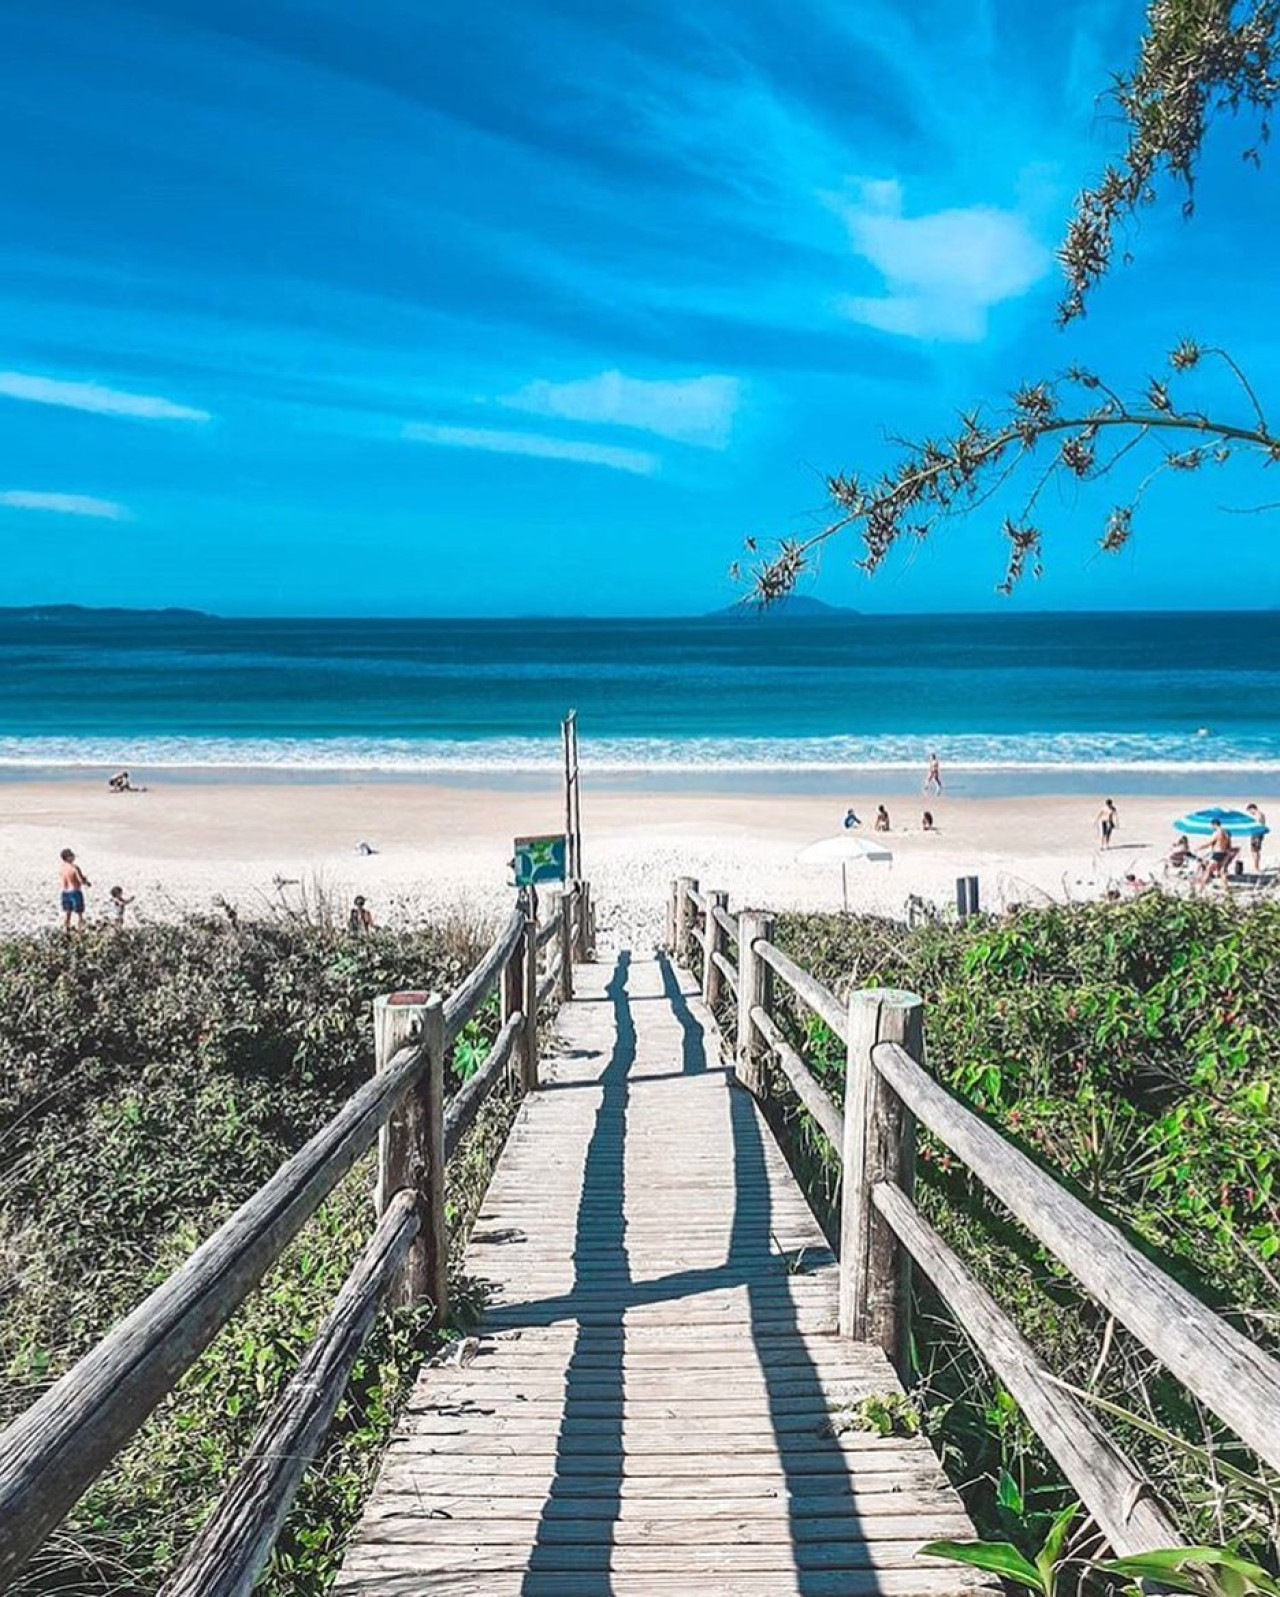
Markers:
(361, 917)
(74, 882)
(119, 903)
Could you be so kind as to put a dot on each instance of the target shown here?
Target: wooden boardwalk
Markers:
(654, 1402)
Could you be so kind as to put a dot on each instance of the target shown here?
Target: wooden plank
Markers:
(649, 1404)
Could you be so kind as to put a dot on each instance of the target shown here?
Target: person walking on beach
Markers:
(933, 777)
(74, 882)
(1108, 820)
(118, 904)
(1255, 841)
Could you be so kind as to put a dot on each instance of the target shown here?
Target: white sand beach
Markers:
(182, 845)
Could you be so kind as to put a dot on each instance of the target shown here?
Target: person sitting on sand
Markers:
(74, 882)
(1108, 820)
(1255, 840)
(1180, 853)
(926, 822)
(882, 819)
(850, 820)
(117, 905)
(360, 920)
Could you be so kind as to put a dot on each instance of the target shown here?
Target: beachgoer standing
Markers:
(1108, 820)
(1221, 852)
(882, 819)
(360, 919)
(1255, 841)
(933, 776)
(74, 882)
(118, 904)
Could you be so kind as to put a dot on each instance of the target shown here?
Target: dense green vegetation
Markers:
(1134, 1049)
(149, 1082)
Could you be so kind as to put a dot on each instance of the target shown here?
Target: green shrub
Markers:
(149, 1082)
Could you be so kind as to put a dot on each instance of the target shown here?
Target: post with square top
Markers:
(755, 991)
(411, 1145)
(712, 975)
(529, 1000)
(879, 1145)
(684, 918)
(583, 949)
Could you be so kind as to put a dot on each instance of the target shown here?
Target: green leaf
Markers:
(1008, 1494)
(1050, 1553)
(997, 1558)
(1178, 1567)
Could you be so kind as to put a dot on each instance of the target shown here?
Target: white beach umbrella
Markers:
(844, 846)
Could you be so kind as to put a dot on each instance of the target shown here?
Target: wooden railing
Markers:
(53, 1452)
(887, 1093)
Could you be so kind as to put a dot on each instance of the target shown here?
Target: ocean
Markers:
(1018, 702)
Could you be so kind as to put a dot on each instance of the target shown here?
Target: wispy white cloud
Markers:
(690, 410)
(539, 445)
(943, 271)
(94, 397)
(64, 504)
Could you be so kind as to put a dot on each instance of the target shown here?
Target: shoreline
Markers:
(443, 847)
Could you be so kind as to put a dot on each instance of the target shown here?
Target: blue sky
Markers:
(543, 306)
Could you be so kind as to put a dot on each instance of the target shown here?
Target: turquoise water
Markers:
(741, 701)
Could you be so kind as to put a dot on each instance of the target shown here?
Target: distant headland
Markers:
(70, 614)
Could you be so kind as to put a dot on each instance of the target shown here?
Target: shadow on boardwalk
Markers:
(819, 1497)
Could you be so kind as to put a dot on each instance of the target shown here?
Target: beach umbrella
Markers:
(843, 847)
(1201, 823)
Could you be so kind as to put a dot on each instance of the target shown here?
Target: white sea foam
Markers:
(1042, 752)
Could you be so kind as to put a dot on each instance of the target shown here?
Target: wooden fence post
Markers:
(879, 1145)
(673, 898)
(583, 942)
(411, 1146)
(684, 917)
(565, 941)
(755, 990)
(529, 999)
(712, 976)
(513, 1004)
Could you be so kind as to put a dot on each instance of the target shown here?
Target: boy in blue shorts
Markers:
(74, 882)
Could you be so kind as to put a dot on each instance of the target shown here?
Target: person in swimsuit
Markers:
(1108, 820)
(1255, 842)
(882, 819)
(933, 776)
(926, 821)
(1221, 852)
(360, 919)
(74, 882)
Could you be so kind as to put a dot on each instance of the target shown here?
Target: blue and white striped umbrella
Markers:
(1201, 823)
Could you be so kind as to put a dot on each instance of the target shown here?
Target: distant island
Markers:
(792, 607)
(64, 614)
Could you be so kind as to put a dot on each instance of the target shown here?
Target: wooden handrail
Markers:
(465, 1104)
(724, 919)
(51, 1453)
(237, 1538)
(549, 927)
(810, 991)
(470, 993)
(808, 1088)
(727, 969)
(1114, 1492)
(887, 1091)
(1211, 1358)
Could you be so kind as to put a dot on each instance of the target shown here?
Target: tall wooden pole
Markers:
(712, 975)
(754, 991)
